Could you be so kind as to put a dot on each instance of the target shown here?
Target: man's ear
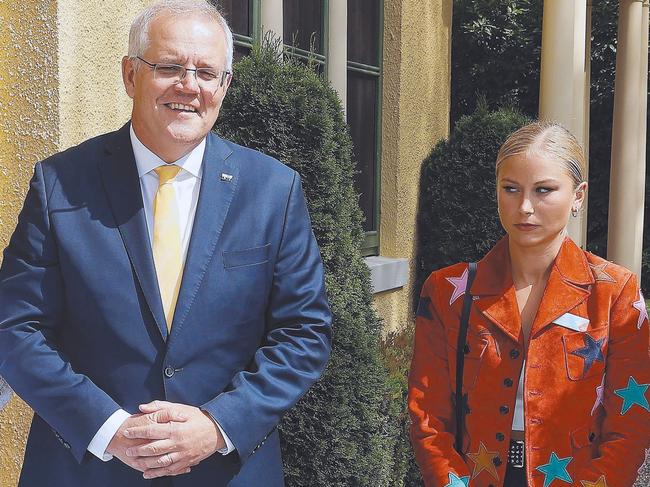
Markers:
(128, 75)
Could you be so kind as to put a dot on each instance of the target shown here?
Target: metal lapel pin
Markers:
(226, 177)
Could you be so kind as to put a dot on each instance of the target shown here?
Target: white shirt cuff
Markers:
(229, 446)
(103, 437)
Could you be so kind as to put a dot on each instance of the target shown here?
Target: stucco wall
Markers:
(93, 38)
(416, 93)
(28, 132)
(60, 83)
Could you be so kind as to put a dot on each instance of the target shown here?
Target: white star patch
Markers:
(600, 391)
(643, 311)
(460, 284)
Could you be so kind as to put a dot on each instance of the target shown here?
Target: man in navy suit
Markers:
(162, 298)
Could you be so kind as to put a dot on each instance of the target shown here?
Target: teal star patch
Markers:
(633, 394)
(456, 481)
(555, 469)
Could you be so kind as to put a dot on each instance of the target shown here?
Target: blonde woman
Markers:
(555, 364)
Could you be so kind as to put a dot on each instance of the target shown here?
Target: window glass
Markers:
(362, 118)
(302, 19)
(363, 31)
(237, 13)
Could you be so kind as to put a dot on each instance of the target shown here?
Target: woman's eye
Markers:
(509, 189)
(544, 189)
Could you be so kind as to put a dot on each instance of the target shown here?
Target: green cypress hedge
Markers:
(341, 433)
(457, 217)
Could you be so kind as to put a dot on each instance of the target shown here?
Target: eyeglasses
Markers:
(175, 73)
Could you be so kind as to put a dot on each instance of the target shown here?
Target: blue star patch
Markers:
(456, 481)
(555, 469)
(423, 308)
(633, 394)
(591, 352)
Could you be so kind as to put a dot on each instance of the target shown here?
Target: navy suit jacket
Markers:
(82, 329)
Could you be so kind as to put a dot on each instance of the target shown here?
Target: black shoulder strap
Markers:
(460, 357)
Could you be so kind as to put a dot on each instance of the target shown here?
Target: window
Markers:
(242, 17)
(364, 107)
(305, 29)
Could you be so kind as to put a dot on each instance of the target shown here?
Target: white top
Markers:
(187, 185)
(518, 418)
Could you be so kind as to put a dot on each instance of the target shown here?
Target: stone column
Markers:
(627, 180)
(337, 50)
(272, 19)
(563, 90)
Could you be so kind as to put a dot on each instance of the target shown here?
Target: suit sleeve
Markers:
(430, 397)
(31, 315)
(297, 343)
(626, 425)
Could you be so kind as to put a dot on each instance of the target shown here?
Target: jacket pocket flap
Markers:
(245, 257)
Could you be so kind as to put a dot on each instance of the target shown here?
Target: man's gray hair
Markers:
(139, 33)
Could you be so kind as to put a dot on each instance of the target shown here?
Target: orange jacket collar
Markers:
(568, 284)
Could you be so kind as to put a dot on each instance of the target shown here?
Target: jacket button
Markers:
(496, 461)
(169, 372)
(500, 437)
(507, 382)
(514, 353)
(592, 436)
(504, 409)
(466, 349)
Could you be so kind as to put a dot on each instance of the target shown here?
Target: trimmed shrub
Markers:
(457, 217)
(340, 434)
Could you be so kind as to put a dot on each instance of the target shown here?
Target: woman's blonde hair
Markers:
(549, 140)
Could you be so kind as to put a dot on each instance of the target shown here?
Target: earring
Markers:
(574, 212)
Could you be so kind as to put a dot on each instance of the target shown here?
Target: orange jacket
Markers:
(587, 418)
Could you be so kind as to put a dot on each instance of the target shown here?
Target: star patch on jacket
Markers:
(591, 352)
(643, 311)
(456, 481)
(633, 394)
(555, 469)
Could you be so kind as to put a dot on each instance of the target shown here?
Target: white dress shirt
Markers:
(187, 185)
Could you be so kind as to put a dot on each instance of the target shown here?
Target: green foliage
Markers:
(495, 54)
(457, 218)
(341, 433)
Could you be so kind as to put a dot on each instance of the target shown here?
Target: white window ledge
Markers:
(387, 273)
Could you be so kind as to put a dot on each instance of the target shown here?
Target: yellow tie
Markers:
(167, 240)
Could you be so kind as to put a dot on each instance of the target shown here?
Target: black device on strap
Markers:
(460, 357)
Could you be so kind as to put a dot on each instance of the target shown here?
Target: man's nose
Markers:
(189, 83)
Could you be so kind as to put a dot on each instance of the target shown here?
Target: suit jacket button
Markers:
(496, 461)
(500, 436)
(169, 372)
(508, 382)
(504, 409)
(514, 353)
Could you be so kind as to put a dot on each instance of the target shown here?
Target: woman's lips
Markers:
(526, 227)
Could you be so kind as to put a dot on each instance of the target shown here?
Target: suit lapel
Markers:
(122, 185)
(218, 185)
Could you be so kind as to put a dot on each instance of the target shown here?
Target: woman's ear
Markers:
(579, 195)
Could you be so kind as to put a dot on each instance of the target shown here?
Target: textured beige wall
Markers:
(28, 132)
(416, 92)
(60, 83)
(93, 37)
